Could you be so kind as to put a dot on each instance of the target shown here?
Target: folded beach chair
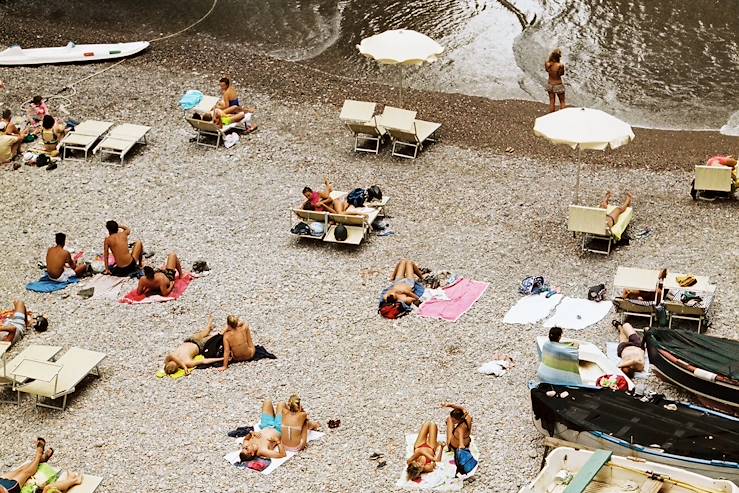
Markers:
(359, 118)
(592, 222)
(59, 379)
(122, 139)
(34, 352)
(406, 131)
(713, 179)
(83, 137)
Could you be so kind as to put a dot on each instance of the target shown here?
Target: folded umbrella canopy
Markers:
(400, 47)
(583, 128)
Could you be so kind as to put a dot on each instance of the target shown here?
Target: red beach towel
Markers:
(180, 286)
(462, 296)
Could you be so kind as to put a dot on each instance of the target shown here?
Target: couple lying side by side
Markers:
(283, 429)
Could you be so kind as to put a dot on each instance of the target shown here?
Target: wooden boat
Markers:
(704, 365)
(592, 362)
(576, 471)
(15, 55)
(655, 429)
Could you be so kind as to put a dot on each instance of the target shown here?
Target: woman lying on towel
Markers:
(295, 424)
(426, 451)
(13, 481)
(405, 287)
(267, 442)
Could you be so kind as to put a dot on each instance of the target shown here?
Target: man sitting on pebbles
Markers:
(238, 345)
(160, 281)
(60, 265)
(116, 242)
(184, 356)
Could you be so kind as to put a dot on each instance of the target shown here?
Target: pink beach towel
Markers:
(180, 286)
(462, 296)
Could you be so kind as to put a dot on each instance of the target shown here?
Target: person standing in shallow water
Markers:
(555, 85)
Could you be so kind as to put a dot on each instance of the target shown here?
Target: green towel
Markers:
(45, 474)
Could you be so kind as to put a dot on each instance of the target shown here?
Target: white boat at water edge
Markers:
(72, 53)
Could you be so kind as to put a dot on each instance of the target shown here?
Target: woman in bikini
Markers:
(51, 133)
(426, 451)
(555, 86)
(317, 200)
(458, 431)
(295, 424)
(615, 213)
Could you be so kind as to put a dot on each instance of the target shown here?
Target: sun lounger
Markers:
(635, 279)
(89, 484)
(592, 222)
(59, 379)
(206, 104)
(34, 352)
(84, 136)
(359, 118)
(210, 129)
(694, 312)
(358, 226)
(406, 131)
(122, 139)
(713, 179)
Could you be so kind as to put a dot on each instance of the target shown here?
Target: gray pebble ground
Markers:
(492, 217)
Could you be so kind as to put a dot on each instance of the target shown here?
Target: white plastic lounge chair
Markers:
(34, 352)
(122, 139)
(209, 129)
(84, 136)
(713, 179)
(592, 222)
(206, 104)
(358, 227)
(678, 310)
(59, 379)
(631, 278)
(359, 118)
(406, 131)
(89, 484)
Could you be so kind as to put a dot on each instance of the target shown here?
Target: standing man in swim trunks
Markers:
(630, 349)
(555, 86)
(184, 356)
(230, 102)
(160, 281)
(60, 265)
(237, 342)
(127, 263)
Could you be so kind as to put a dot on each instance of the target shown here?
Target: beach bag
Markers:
(213, 347)
(597, 293)
(531, 285)
(465, 461)
(391, 310)
(357, 197)
(374, 193)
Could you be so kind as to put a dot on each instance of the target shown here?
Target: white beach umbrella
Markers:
(583, 128)
(400, 47)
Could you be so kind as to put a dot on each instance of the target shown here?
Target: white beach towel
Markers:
(443, 478)
(434, 294)
(577, 313)
(106, 287)
(233, 457)
(612, 353)
(530, 309)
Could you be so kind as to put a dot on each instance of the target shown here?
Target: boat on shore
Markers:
(703, 365)
(72, 53)
(583, 470)
(652, 428)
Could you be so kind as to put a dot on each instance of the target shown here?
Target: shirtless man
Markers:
(266, 443)
(237, 342)
(555, 86)
(13, 481)
(405, 288)
(60, 265)
(116, 243)
(615, 213)
(630, 349)
(160, 281)
(230, 102)
(184, 356)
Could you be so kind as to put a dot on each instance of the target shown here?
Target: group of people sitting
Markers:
(229, 109)
(15, 481)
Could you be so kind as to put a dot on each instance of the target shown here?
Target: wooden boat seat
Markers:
(586, 474)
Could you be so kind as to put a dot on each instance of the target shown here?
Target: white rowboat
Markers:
(15, 55)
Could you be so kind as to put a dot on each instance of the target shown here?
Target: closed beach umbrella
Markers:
(583, 128)
(400, 47)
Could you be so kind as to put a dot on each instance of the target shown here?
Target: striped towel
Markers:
(559, 364)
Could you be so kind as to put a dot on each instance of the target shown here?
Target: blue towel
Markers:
(46, 285)
(191, 99)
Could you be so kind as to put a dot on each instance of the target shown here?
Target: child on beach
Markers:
(37, 110)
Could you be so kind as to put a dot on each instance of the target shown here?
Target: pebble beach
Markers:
(465, 205)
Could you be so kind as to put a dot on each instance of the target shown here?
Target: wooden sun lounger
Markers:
(34, 352)
(592, 222)
(359, 118)
(84, 136)
(406, 131)
(59, 379)
(122, 139)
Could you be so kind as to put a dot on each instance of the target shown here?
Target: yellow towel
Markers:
(179, 373)
(686, 281)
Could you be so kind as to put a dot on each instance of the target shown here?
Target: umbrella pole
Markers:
(577, 181)
(401, 85)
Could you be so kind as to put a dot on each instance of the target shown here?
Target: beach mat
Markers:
(577, 313)
(234, 460)
(180, 286)
(443, 478)
(462, 295)
(532, 308)
(104, 287)
(46, 285)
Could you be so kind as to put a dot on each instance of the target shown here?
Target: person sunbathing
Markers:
(160, 281)
(229, 102)
(237, 342)
(63, 485)
(613, 216)
(60, 265)
(16, 325)
(405, 287)
(10, 127)
(295, 424)
(318, 200)
(184, 356)
(458, 427)
(266, 443)
(426, 451)
(13, 481)
(10, 146)
(116, 242)
(51, 134)
(221, 119)
(630, 349)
